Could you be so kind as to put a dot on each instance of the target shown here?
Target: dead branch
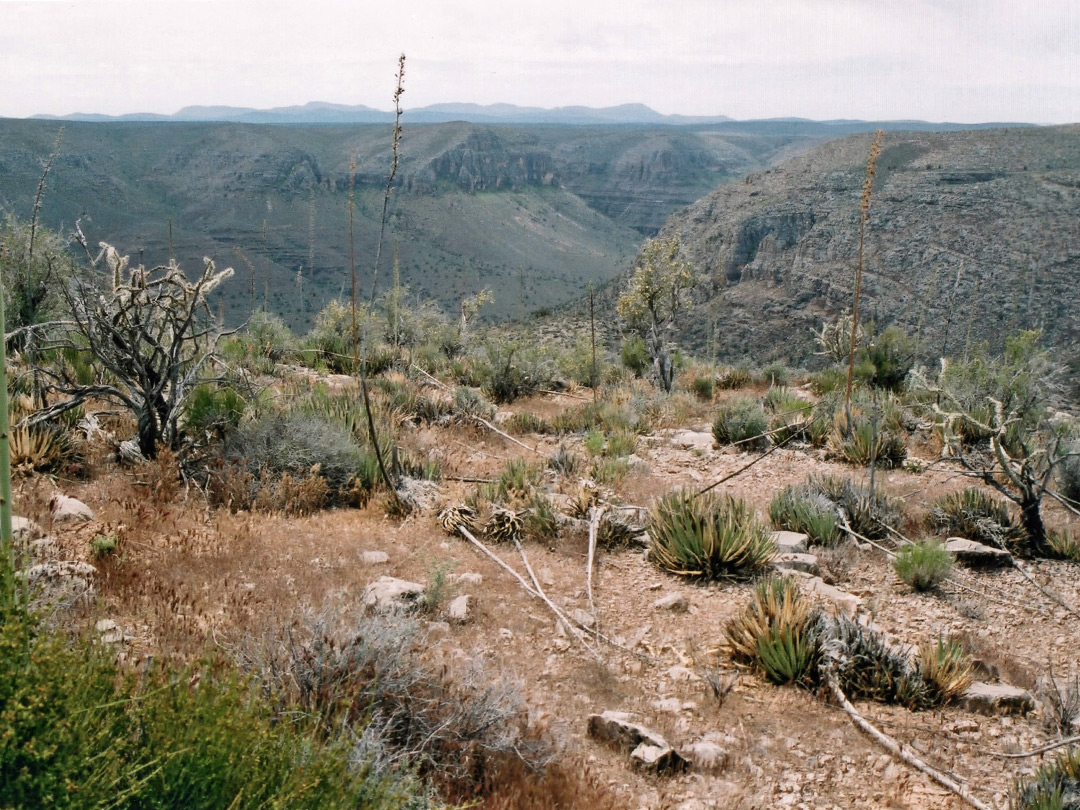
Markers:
(1040, 750)
(596, 514)
(893, 747)
(506, 436)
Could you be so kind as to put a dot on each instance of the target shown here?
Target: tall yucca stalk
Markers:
(7, 544)
(864, 220)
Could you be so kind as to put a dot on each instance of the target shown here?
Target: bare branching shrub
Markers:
(367, 674)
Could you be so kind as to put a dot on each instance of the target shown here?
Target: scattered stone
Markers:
(997, 698)
(458, 611)
(657, 759)
(668, 705)
(797, 561)
(846, 603)
(374, 557)
(24, 530)
(109, 631)
(468, 578)
(44, 548)
(419, 495)
(65, 509)
(705, 756)
(791, 542)
(584, 618)
(546, 577)
(678, 673)
(620, 730)
(674, 601)
(390, 593)
(61, 582)
(693, 440)
(978, 555)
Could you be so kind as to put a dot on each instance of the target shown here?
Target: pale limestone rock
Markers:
(389, 593)
(65, 509)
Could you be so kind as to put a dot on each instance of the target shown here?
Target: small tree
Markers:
(658, 291)
(995, 420)
(150, 331)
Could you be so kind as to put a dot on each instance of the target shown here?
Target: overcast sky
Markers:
(955, 60)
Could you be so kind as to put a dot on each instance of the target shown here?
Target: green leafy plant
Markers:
(795, 509)
(777, 632)
(102, 545)
(708, 536)
(1051, 784)
(702, 387)
(635, 355)
(923, 565)
(862, 439)
(868, 515)
(741, 421)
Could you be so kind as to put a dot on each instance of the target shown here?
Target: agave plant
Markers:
(777, 632)
(37, 449)
(709, 536)
(976, 514)
(867, 667)
(1051, 784)
(453, 518)
(504, 525)
(946, 669)
(798, 510)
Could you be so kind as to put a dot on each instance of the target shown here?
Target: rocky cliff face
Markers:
(972, 236)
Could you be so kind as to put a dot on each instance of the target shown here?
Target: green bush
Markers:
(828, 380)
(890, 355)
(709, 536)
(923, 565)
(1068, 475)
(213, 410)
(861, 440)
(733, 378)
(79, 735)
(702, 387)
(776, 374)
(635, 355)
(741, 421)
(795, 509)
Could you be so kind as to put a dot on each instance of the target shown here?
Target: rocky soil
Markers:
(188, 577)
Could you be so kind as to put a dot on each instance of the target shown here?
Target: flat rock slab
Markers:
(791, 542)
(693, 440)
(458, 611)
(620, 730)
(389, 593)
(978, 555)
(842, 601)
(794, 561)
(657, 759)
(997, 698)
(374, 557)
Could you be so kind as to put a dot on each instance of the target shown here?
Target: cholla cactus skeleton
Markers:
(151, 331)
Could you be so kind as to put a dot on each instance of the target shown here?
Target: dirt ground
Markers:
(190, 576)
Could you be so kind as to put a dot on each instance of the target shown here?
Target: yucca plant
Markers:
(617, 531)
(516, 480)
(795, 509)
(976, 514)
(708, 536)
(540, 520)
(923, 565)
(777, 632)
(1055, 786)
(1062, 546)
(860, 441)
(564, 461)
(584, 498)
(946, 669)
(453, 518)
(733, 378)
(38, 449)
(867, 515)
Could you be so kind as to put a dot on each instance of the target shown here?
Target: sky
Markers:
(936, 60)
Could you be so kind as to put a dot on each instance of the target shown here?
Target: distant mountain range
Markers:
(321, 112)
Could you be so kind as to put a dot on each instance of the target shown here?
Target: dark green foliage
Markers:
(867, 668)
(703, 388)
(796, 509)
(213, 410)
(540, 520)
(1055, 786)
(791, 415)
(976, 514)
(776, 374)
(78, 735)
(516, 371)
(741, 421)
(708, 536)
(635, 355)
(864, 438)
(923, 565)
(890, 356)
(516, 480)
(827, 381)
(866, 515)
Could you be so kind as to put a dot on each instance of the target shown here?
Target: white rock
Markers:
(705, 756)
(24, 530)
(583, 617)
(997, 698)
(374, 557)
(796, 561)
(65, 509)
(388, 593)
(657, 759)
(458, 611)
(675, 602)
(976, 554)
(791, 542)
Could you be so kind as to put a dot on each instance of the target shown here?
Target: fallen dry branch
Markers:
(595, 516)
(507, 436)
(893, 747)
(1040, 750)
